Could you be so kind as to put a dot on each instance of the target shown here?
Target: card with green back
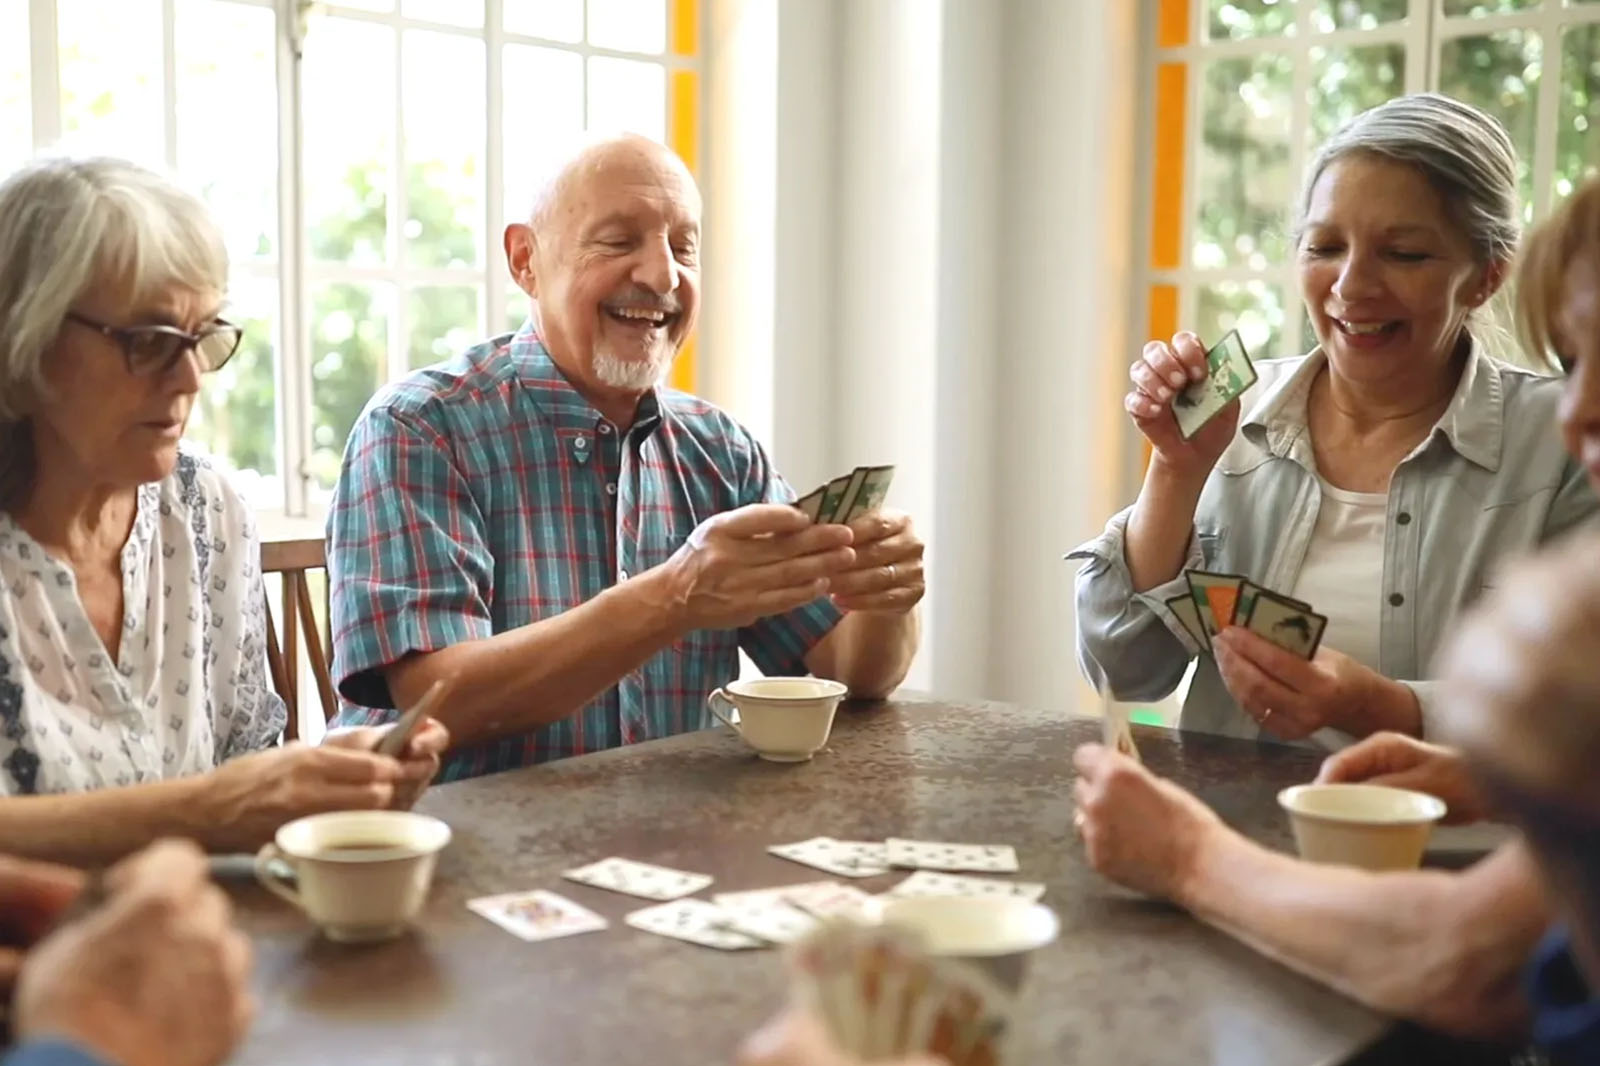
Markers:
(1231, 373)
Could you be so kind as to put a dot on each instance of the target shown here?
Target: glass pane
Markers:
(1254, 308)
(219, 95)
(444, 148)
(1348, 81)
(625, 94)
(558, 20)
(517, 308)
(348, 118)
(452, 12)
(1332, 15)
(16, 112)
(1499, 72)
(111, 94)
(1244, 180)
(1479, 8)
(544, 108)
(235, 418)
(629, 25)
(366, 5)
(443, 320)
(1577, 138)
(1234, 19)
(349, 350)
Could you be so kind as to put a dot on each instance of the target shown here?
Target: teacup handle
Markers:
(271, 879)
(718, 696)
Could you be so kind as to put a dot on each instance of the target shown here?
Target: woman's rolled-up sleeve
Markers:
(1129, 642)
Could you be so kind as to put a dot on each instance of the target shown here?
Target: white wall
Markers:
(946, 262)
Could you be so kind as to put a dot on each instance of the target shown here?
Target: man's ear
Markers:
(521, 253)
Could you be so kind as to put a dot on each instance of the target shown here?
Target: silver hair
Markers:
(67, 224)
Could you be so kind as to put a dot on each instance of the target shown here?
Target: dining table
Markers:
(1128, 980)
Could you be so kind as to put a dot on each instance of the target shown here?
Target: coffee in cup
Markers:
(785, 719)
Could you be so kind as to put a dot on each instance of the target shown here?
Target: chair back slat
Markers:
(293, 559)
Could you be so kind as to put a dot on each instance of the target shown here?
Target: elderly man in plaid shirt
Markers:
(582, 550)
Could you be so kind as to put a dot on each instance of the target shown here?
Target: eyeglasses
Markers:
(154, 349)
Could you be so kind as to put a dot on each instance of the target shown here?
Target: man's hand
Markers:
(33, 897)
(887, 572)
(797, 1038)
(754, 562)
(155, 976)
(1405, 762)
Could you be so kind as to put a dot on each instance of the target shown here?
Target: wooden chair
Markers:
(293, 559)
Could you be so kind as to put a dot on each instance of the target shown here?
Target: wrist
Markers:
(1390, 706)
(1210, 845)
(658, 599)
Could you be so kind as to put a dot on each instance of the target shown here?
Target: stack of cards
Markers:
(1218, 600)
(881, 996)
(1231, 374)
(848, 497)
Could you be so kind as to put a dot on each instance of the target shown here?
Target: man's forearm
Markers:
(1438, 947)
(869, 651)
(542, 672)
(101, 826)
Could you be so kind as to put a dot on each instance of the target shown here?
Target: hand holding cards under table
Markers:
(848, 497)
(1218, 600)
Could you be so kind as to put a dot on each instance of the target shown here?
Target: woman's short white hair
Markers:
(67, 224)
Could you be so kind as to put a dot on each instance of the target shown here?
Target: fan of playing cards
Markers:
(1218, 600)
(849, 496)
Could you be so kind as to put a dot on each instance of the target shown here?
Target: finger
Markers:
(757, 519)
(1285, 665)
(346, 766)
(1166, 368)
(903, 549)
(356, 738)
(168, 862)
(871, 580)
(1149, 381)
(815, 540)
(418, 771)
(1376, 754)
(1141, 407)
(431, 738)
(1190, 353)
(777, 601)
(878, 525)
(341, 797)
(34, 895)
(1088, 759)
(791, 573)
(901, 599)
(1256, 691)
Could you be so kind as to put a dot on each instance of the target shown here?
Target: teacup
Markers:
(994, 934)
(360, 876)
(785, 719)
(1372, 826)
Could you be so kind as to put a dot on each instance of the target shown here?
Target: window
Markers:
(1245, 90)
(362, 156)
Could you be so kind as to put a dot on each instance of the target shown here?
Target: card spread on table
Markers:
(842, 858)
(537, 915)
(849, 496)
(1231, 374)
(937, 855)
(775, 921)
(829, 899)
(638, 879)
(933, 883)
(694, 920)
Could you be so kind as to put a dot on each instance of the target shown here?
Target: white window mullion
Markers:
(494, 193)
(294, 327)
(1547, 113)
(1419, 46)
(398, 211)
(44, 64)
(1288, 278)
(169, 82)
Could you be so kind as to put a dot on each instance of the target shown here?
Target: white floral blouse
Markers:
(189, 687)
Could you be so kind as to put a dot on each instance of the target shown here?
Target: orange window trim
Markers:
(1172, 24)
(684, 36)
(683, 137)
(1166, 230)
(1161, 323)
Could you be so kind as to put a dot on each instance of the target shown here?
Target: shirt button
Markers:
(581, 443)
(622, 575)
(605, 428)
(611, 488)
(1404, 518)
(1395, 599)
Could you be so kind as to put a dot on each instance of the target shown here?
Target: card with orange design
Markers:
(1216, 597)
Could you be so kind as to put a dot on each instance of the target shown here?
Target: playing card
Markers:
(537, 915)
(694, 920)
(933, 883)
(874, 489)
(638, 879)
(775, 921)
(832, 496)
(1231, 374)
(1116, 728)
(843, 858)
(777, 894)
(1247, 598)
(1286, 623)
(937, 855)
(829, 899)
(1216, 598)
(811, 502)
(852, 489)
(1183, 607)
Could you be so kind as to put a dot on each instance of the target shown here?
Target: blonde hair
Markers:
(1570, 232)
(67, 224)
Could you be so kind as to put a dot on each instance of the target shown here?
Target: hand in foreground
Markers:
(33, 897)
(1138, 829)
(797, 1038)
(754, 562)
(1293, 697)
(419, 762)
(1159, 374)
(887, 572)
(1405, 762)
(245, 800)
(157, 975)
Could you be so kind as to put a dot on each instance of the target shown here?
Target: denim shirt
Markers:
(1489, 481)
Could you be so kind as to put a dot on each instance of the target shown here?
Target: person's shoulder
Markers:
(1527, 389)
(437, 394)
(703, 419)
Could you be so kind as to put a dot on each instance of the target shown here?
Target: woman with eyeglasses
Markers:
(134, 702)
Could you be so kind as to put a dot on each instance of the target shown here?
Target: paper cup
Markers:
(1372, 826)
(996, 935)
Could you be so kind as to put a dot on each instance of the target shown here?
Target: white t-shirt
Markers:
(1342, 576)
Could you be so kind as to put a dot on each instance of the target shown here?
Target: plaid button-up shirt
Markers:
(486, 493)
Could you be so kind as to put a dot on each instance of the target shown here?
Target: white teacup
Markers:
(1372, 826)
(785, 719)
(995, 934)
(360, 876)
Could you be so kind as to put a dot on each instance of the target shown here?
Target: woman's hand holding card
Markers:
(1293, 697)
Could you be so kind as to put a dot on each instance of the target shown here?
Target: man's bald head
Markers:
(588, 158)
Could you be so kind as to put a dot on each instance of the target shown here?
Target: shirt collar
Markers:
(573, 416)
(1473, 423)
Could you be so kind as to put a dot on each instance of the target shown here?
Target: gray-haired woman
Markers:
(132, 659)
(1379, 478)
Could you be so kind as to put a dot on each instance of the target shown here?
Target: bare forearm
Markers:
(869, 651)
(1160, 526)
(98, 827)
(1441, 948)
(543, 672)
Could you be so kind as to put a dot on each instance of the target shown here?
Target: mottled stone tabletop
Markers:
(1129, 981)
